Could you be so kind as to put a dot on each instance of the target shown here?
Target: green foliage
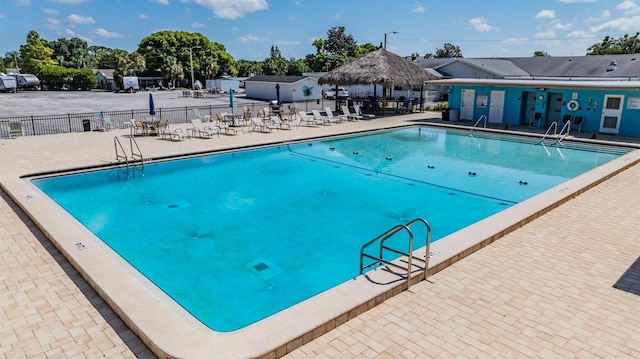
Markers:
(177, 50)
(57, 78)
(35, 54)
(249, 68)
(72, 52)
(449, 51)
(297, 67)
(540, 53)
(623, 45)
(339, 43)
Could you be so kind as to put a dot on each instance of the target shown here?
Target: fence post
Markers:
(33, 125)
(69, 118)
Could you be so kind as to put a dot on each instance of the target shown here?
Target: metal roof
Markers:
(275, 78)
(593, 84)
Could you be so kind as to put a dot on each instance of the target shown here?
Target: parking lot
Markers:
(26, 103)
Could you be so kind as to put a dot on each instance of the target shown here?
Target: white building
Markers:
(292, 88)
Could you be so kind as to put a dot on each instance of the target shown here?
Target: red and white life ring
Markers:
(573, 105)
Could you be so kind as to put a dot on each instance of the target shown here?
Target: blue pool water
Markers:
(236, 237)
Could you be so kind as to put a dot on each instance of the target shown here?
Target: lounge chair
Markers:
(198, 116)
(281, 124)
(358, 112)
(259, 125)
(322, 119)
(350, 116)
(309, 120)
(334, 118)
(15, 129)
(201, 131)
(175, 135)
(107, 124)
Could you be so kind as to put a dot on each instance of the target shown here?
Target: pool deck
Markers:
(566, 284)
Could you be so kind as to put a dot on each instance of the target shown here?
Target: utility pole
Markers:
(191, 61)
(385, 38)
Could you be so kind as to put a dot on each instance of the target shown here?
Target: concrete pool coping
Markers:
(170, 334)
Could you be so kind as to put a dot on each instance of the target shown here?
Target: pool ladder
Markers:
(123, 158)
(558, 136)
(407, 257)
(482, 118)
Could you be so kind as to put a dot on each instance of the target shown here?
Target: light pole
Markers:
(191, 60)
(385, 38)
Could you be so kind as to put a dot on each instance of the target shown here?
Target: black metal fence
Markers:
(35, 125)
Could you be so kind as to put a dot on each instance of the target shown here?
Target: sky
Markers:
(248, 28)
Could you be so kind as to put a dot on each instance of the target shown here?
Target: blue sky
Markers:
(248, 28)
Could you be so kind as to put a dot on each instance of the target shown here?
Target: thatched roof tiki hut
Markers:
(379, 67)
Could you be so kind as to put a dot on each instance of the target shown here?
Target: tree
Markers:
(172, 70)
(249, 68)
(623, 45)
(540, 53)
(448, 51)
(72, 52)
(339, 43)
(35, 54)
(319, 45)
(296, 67)
(363, 49)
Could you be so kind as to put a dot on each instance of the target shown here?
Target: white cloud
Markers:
(578, 34)
(2, 16)
(197, 25)
(232, 9)
(50, 11)
(161, 2)
(629, 7)
(22, 2)
(515, 41)
(605, 15)
(479, 24)
(560, 26)
(546, 14)
(251, 38)
(287, 43)
(80, 20)
(143, 17)
(627, 24)
(107, 34)
(417, 8)
(549, 34)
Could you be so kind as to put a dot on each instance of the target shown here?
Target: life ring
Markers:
(573, 105)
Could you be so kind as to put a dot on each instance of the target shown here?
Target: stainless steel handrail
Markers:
(483, 117)
(409, 254)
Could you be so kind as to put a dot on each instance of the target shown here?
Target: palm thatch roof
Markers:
(379, 67)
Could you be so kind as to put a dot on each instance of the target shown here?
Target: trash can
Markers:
(454, 115)
(445, 114)
(86, 125)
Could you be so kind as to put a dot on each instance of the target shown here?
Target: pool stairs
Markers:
(406, 260)
(137, 160)
(557, 136)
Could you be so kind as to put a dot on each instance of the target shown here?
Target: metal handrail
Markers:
(554, 126)
(483, 117)
(136, 154)
(562, 134)
(409, 254)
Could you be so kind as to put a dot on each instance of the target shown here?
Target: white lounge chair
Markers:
(358, 111)
(259, 125)
(322, 119)
(175, 135)
(331, 116)
(201, 131)
(306, 118)
(350, 116)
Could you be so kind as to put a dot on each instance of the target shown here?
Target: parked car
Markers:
(331, 93)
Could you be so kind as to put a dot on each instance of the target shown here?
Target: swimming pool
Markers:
(236, 237)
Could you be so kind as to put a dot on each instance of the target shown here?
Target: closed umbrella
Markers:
(232, 103)
(152, 109)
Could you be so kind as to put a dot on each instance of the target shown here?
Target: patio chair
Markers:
(350, 116)
(223, 124)
(576, 124)
(358, 112)
(536, 120)
(281, 124)
(199, 116)
(201, 131)
(107, 124)
(137, 128)
(15, 129)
